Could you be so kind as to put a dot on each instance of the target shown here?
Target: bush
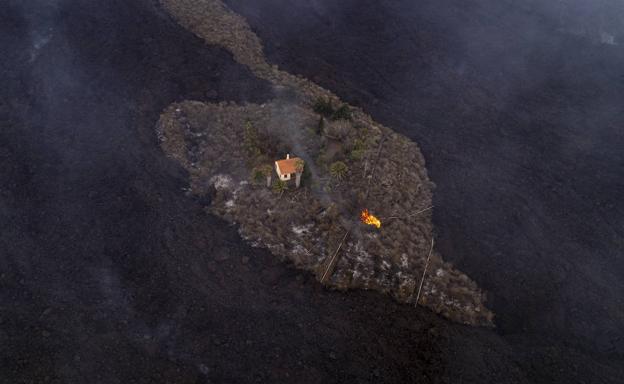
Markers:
(342, 113)
(360, 144)
(338, 130)
(357, 154)
(257, 176)
(280, 186)
(299, 165)
(325, 107)
(251, 140)
(338, 170)
(266, 170)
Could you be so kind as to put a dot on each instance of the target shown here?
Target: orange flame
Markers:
(369, 219)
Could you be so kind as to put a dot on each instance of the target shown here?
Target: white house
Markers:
(287, 167)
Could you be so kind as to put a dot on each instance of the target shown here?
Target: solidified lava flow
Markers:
(352, 159)
(130, 257)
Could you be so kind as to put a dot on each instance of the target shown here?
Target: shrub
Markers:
(324, 107)
(257, 176)
(360, 144)
(251, 140)
(299, 165)
(266, 170)
(338, 170)
(357, 154)
(280, 186)
(261, 174)
(338, 130)
(342, 113)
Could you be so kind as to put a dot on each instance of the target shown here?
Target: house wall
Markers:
(282, 177)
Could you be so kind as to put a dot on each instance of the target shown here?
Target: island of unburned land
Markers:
(347, 165)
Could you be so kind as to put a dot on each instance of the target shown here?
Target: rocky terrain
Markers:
(386, 173)
(516, 108)
(112, 272)
(318, 223)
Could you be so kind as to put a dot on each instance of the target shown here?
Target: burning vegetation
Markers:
(369, 219)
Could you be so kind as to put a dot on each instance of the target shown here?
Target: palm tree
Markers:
(279, 187)
(299, 164)
(267, 171)
(338, 170)
(260, 172)
(256, 175)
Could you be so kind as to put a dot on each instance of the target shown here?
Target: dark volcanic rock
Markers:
(517, 109)
(97, 232)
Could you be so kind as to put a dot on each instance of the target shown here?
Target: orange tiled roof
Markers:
(288, 166)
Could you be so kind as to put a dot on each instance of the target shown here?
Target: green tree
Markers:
(342, 113)
(262, 171)
(356, 154)
(256, 175)
(250, 140)
(323, 107)
(279, 187)
(267, 171)
(358, 150)
(338, 170)
(299, 166)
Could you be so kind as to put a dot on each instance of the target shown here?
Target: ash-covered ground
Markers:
(517, 107)
(111, 273)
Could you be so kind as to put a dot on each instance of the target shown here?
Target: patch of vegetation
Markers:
(252, 143)
(338, 170)
(280, 186)
(356, 154)
(299, 165)
(307, 224)
(342, 113)
(257, 176)
(262, 174)
(326, 108)
(338, 130)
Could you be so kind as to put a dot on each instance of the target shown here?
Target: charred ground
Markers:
(517, 108)
(110, 273)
